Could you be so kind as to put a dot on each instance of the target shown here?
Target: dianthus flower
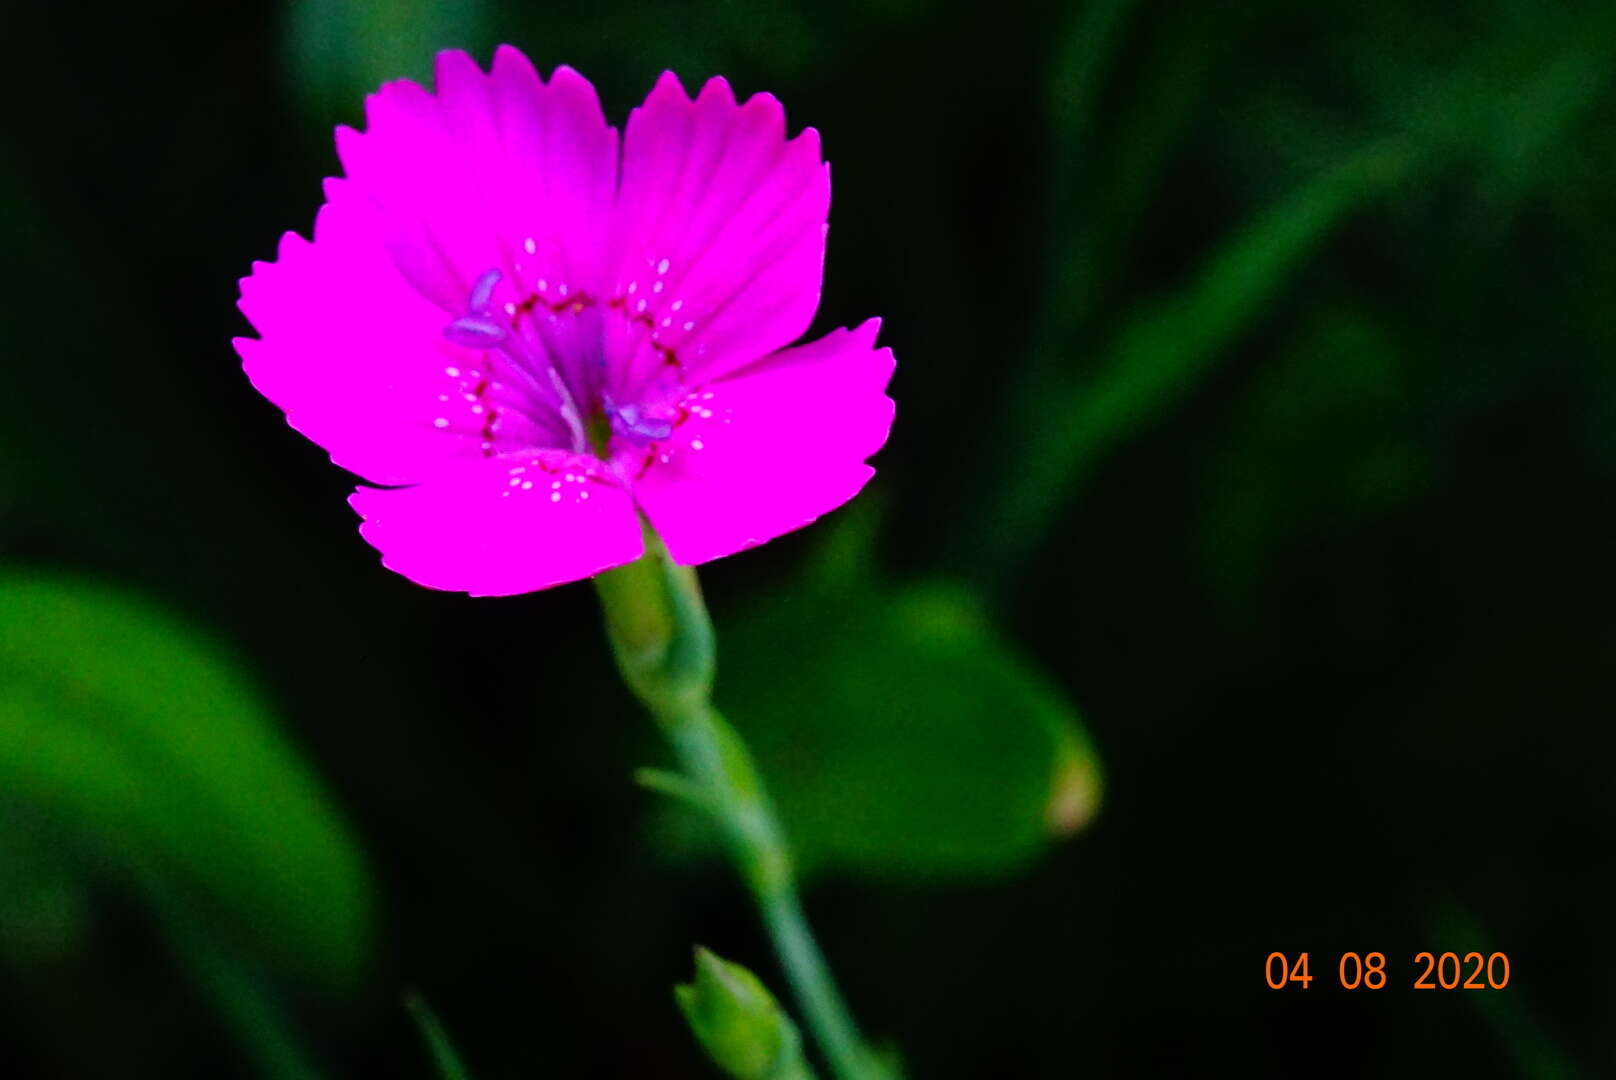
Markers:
(527, 337)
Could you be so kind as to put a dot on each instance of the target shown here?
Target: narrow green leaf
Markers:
(1530, 1047)
(1165, 351)
(131, 728)
(450, 1067)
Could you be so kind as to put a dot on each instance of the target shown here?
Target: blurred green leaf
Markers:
(1534, 1051)
(739, 1023)
(44, 908)
(337, 51)
(239, 991)
(1166, 348)
(444, 1055)
(133, 729)
(899, 735)
(1326, 442)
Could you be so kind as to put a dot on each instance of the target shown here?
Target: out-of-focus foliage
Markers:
(127, 729)
(1255, 390)
(898, 733)
(444, 1055)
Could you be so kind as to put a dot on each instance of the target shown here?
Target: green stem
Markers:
(663, 640)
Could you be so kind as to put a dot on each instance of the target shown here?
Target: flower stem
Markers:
(663, 640)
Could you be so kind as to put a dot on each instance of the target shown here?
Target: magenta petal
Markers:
(765, 452)
(354, 355)
(495, 171)
(505, 525)
(719, 235)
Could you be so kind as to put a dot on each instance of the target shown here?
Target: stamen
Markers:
(475, 332)
(631, 422)
(477, 329)
(486, 327)
(483, 291)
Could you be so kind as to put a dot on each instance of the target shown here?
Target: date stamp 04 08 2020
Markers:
(1442, 971)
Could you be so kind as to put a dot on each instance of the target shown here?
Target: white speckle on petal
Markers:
(656, 286)
(452, 372)
(677, 304)
(440, 422)
(690, 326)
(633, 287)
(527, 485)
(529, 246)
(543, 285)
(510, 308)
(697, 444)
(640, 306)
(662, 267)
(555, 496)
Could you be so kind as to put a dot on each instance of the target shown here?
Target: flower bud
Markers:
(739, 1023)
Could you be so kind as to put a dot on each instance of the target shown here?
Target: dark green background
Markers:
(1254, 381)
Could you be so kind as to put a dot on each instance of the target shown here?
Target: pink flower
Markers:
(526, 339)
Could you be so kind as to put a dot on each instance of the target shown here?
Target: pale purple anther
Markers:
(632, 423)
(475, 332)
